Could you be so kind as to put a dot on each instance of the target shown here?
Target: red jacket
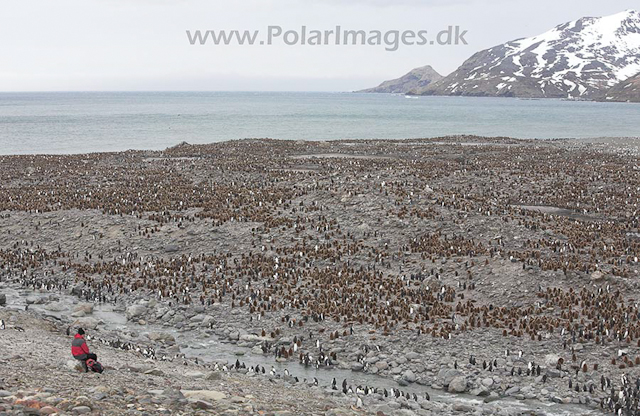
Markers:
(79, 346)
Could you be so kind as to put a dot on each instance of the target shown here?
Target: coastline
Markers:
(110, 122)
(622, 141)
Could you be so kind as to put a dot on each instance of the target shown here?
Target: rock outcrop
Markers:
(625, 91)
(417, 78)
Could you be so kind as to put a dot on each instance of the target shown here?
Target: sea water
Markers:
(76, 122)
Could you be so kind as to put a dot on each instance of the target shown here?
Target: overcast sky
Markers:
(127, 45)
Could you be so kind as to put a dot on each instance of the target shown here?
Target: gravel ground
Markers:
(38, 376)
(455, 264)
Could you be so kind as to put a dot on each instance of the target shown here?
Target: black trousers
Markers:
(85, 357)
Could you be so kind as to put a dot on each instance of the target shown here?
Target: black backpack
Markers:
(94, 366)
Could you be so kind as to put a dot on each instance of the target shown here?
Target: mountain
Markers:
(416, 78)
(626, 91)
(579, 59)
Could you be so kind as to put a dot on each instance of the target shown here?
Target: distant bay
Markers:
(114, 121)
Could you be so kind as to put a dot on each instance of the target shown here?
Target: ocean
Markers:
(55, 123)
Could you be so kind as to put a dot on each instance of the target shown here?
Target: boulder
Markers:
(250, 338)
(73, 365)
(134, 312)
(460, 407)
(55, 307)
(83, 401)
(208, 321)
(137, 368)
(382, 365)
(86, 323)
(198, 318)
(551, 360)
(34, 300)
(458, 385)
(172, 394)
(409, 376)
(154, 372)
(481, 391)
(201, 405)
(553, 373)
(163, 337)
(372, 359)
(87, 308)
(446, 375)
(160, 312)
(48, 410)
(3, 299)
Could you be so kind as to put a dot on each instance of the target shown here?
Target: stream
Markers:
(211, 348)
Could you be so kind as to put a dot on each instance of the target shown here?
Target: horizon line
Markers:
(143, 91)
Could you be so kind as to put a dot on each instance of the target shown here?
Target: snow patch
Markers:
(576, 57)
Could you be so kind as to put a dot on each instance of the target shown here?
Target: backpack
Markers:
(94, 366)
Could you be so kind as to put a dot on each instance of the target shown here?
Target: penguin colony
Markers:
(421, 239)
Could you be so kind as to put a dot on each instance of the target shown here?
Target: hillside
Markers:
(415, 79)
(626, 91)
(579, 59)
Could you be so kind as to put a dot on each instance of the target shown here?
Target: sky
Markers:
(142, 45)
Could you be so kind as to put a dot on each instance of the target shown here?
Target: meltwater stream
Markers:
(212, 348)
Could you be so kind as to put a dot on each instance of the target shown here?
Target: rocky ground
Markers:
(38, 378)
(498, 270)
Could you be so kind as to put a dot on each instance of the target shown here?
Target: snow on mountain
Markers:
(579, 59)
(626, 91)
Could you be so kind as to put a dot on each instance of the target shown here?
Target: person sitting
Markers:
(80, 350)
